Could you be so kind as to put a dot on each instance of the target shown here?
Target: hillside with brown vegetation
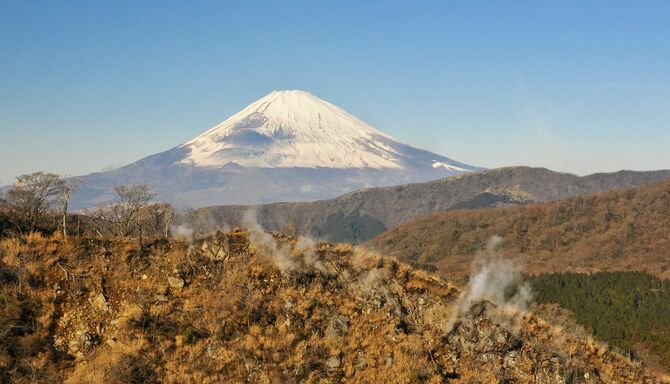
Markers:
(616, 230)
(253, 308)
(359, 216)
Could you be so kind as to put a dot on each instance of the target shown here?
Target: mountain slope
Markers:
(360, 215)
(615, 230)
(286, 146)
(226, 310)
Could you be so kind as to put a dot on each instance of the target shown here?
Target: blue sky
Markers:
(576, 86)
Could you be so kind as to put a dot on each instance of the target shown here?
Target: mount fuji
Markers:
(286, 146)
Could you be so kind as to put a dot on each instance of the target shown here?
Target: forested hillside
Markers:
(630, 310)
(616, 230)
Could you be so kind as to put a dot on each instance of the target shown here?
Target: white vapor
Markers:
(499, 281)
(269, 246)
(182, 231)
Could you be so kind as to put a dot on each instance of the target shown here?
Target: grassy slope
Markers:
(108, 310)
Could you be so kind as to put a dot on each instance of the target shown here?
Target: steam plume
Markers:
(267, 243)
(499, 281)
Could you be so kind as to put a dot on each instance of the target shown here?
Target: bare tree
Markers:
(31, 197)
(4, 220)
(126, 215)
(63, 200)
(167, 222)
(161, 216)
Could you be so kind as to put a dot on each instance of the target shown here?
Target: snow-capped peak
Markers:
(292, 129)
(287, 129)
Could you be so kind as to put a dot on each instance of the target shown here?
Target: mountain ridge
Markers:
(386, 207)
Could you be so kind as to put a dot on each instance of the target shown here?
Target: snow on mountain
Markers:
(449, 167)
(286, 146)
(288, 129)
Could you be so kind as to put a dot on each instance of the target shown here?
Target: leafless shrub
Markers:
(32, 198)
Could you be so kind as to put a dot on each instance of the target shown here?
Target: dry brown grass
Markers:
(105, 311)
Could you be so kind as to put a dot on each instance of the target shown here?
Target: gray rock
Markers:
(361, 363)
(212, 351)
(337, 327)
(100, 302)
(333, 362)
(175, 282)
(161, 298)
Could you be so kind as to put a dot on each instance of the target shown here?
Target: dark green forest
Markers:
(629, 310)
